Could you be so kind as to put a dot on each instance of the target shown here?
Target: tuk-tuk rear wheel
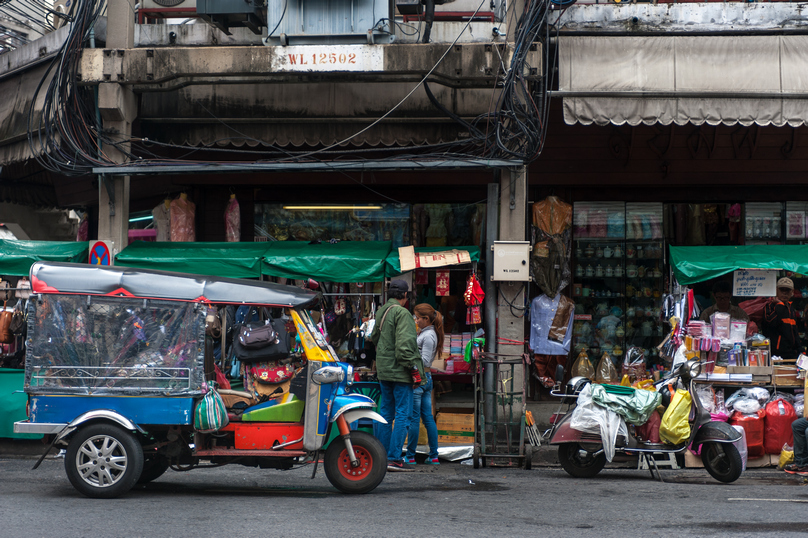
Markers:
(372, 464)
(103, 461)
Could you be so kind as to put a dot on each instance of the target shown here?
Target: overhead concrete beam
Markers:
(164, 69)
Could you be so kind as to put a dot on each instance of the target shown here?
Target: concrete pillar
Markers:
(118, 107)
(512, 226)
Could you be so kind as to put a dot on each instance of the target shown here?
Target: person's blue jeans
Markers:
(395, 404)
(800, 429)
(422, 410)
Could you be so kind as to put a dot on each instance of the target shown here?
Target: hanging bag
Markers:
(6, 336)
(210, 414)
(675, 428)
(17, 320)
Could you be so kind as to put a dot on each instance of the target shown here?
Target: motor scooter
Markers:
(581, 454)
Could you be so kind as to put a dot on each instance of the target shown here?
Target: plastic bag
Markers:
(649, 432)
(634, 363)
(740, 444)
(210, 414)
(606, 372)
(183, 219)
(583, 366)
(777, 426)
(706, 396)
(754, 426)
(589, 417)
(786, 456)
(675, 428)
(746, 406)
(635, 407)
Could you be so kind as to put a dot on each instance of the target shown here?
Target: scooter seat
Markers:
(286, 408)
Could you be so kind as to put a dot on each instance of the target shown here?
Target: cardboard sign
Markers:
(410, 260)
(752, 283)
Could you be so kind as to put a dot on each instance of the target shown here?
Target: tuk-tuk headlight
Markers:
(328, 374)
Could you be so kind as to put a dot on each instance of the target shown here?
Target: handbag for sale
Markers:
(257, 335)
(17, 322)
(270, 373)
(5, 295)
(277, 348)
(6, 336)
(213, 323)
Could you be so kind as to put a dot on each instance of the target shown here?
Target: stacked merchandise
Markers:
(455, 362)
(723, 347)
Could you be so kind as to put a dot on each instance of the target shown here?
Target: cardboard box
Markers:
(455, 426)
(754, 370)
(769, 460)
(439, 364)
(785, 374)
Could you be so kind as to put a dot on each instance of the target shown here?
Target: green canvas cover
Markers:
(346, 261)
(697, 264)
(17, 257)
(231, 260)
(393, 267)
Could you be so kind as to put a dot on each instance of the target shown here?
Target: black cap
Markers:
(398, 285)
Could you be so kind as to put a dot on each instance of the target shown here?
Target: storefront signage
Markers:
(324, 58)
(751, 283)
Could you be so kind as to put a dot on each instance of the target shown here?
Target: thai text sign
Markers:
(751, 283)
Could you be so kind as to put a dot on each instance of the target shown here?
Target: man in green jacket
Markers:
(398, 367)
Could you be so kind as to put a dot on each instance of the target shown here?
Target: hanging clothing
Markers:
(232, 221)
(552, 216)
(551, 325)
(183, 220)
(161, 216)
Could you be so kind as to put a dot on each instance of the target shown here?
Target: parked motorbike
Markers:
(581, 454)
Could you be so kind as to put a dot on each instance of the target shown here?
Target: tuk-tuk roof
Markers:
(71, 278)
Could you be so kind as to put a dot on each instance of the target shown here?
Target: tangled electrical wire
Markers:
(68, 137)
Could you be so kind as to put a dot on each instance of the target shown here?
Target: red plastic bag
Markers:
(649, 432)
(777, 432)
(754, 308)
(753, 425)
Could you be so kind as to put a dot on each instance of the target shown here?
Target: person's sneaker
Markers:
(793, 468)
(432, 461)
(398, 467)
(409, 460)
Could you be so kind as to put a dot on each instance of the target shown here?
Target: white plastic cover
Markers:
(78, 344)
(589, 417)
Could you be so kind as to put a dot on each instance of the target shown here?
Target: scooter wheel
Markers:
(367, 475)
(722, 461)
(579, 463)
(103, 461)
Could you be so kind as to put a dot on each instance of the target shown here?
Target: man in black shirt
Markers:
(780, 322)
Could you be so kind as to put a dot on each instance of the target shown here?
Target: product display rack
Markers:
(617, 288)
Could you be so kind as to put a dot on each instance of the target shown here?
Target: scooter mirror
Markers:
(559, 373)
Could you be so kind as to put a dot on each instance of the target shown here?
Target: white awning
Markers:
(684, 79)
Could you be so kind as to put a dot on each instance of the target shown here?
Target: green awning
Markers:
(346, 261)
(232, 260)
(17, 257)
(393, 267)
(697, 264)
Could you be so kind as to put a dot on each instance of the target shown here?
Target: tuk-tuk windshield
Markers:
(312, 339)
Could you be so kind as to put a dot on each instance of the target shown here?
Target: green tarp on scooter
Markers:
(635, 406)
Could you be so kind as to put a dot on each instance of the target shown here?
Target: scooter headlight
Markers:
(693, 368)
(328, 374)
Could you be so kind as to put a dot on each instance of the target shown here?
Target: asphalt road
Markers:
(450, 500)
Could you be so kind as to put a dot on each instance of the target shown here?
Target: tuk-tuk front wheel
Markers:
(103, 461)
(367, 475)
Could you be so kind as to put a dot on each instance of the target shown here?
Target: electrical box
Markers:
(226, 14)
(511, 261)
(329, 22)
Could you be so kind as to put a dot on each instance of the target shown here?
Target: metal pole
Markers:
(491, 234)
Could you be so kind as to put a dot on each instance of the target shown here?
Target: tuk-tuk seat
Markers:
(286, 408)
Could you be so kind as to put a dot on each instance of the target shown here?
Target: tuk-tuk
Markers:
(116, 364)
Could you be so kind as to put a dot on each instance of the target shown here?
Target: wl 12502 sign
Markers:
(328, 58)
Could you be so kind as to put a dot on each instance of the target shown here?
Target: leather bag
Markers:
(277, 349)
(257, 335)
(6, 336)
